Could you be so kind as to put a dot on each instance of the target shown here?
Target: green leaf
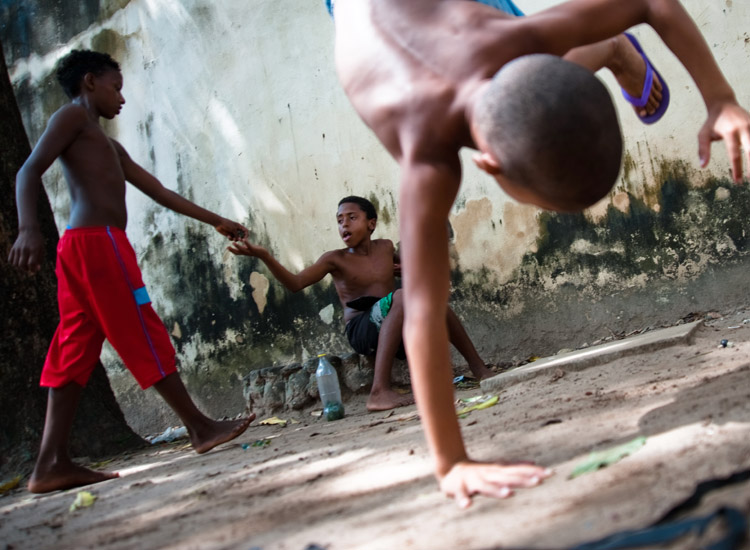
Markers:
(600, 459)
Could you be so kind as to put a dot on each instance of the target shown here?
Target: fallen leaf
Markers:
(10, 485)
(600, 459)
(274, 420)
(84, 499)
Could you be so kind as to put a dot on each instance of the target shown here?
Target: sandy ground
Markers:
(365, 481)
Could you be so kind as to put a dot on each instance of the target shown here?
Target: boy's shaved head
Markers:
(554, 130)
(366, 206)
(72, 68)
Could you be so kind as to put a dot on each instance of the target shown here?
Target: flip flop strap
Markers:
(647, 84)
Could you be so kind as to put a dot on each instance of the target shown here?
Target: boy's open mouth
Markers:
(345, 235)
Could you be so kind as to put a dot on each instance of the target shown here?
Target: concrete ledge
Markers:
(595, 355)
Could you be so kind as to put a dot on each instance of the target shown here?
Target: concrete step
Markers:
(595, 355)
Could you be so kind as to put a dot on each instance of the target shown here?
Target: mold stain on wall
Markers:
(687, 231)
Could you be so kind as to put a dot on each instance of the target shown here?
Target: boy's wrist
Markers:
(29, 228)
(443, 466)
(718, 99)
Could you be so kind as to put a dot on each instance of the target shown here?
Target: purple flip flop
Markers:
(647, 84)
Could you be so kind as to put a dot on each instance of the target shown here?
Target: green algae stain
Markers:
(628, 165)
(673, 230)
(110, 42)
(686, 226)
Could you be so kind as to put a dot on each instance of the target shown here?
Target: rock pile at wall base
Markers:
(294, 387)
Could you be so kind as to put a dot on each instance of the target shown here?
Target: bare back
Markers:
(411, 87)
(356, 275)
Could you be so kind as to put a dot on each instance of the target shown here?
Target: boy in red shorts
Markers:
(100, 290)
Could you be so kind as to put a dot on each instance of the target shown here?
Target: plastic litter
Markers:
(328, 388)
(476, 403)
(169, 435)
(465, 382)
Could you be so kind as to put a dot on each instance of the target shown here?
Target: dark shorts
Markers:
(503, 5)
(363, 330)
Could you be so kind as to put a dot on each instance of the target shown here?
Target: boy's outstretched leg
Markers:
(621, 57)
(465, 347)
(54, 470)
(382, 397)
(205, 433)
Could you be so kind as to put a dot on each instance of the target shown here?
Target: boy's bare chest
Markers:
(366, 274)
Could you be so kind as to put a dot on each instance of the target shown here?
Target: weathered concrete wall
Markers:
(236, 105)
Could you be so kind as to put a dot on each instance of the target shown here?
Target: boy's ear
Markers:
(371, 223)
(88, 81)
(488, 163)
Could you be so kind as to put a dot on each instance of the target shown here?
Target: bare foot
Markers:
(630, 72)
(218, 432)
(388, 399)
(481, 371)
(64, 476)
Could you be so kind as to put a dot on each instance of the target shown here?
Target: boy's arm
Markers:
(427, 192)
(580, 22)
(146, 182)
(397, 261)
(292, 281)
(63, 127)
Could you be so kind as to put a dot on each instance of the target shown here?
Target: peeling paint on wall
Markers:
(260, 290)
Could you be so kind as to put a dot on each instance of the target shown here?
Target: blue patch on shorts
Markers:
(141, 296)
(503, 5)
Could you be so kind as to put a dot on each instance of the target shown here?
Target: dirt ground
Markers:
(365, 482)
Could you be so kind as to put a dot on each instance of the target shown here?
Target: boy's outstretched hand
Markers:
(730, 122)
(232, 230)
(468, 478)
(243, 247)
(28, 250)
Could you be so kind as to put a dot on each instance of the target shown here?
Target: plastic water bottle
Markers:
(328, 388)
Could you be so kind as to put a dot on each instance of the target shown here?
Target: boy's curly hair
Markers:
(366, 206)
(72, 68)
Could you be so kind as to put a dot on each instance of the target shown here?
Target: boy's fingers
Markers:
(745, 141)
(704, 146)
(735, 155)
(462, 497)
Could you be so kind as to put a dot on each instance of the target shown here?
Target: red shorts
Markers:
(101, 295)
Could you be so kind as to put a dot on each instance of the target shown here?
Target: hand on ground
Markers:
(470, 478)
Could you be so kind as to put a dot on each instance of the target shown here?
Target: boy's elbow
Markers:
(295, 287)
(26, 175)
